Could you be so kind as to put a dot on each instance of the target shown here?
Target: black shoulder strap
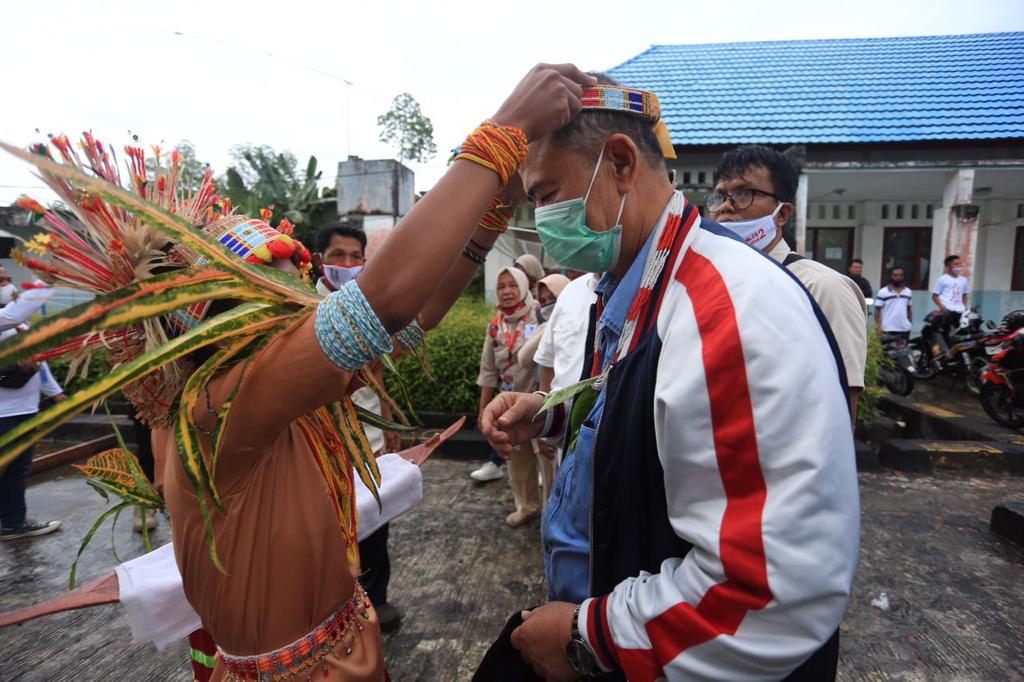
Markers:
(792, 258)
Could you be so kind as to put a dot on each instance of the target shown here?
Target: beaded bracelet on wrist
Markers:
(481, 247)
(473, 256)
(411, 337)
(499, 148)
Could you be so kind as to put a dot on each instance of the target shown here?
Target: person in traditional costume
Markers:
(701, 525)
(244, 373)
(150, 588)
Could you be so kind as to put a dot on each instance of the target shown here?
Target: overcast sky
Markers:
(223, 73)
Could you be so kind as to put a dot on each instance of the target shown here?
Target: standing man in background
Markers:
(20, 386)
(755, 188)
(341, 256)
(952, 290)
(562, 345)
(892, 306)
(856, 272)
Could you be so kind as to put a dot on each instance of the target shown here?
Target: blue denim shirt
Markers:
(565, 527)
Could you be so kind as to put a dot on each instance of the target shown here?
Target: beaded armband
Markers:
(411, 337)
(348, 330)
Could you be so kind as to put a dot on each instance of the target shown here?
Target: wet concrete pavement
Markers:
(953, 590)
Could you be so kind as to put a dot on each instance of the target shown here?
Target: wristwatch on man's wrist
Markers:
(581, 658)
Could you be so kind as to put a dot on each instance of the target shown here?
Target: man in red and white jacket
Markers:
(705, 521)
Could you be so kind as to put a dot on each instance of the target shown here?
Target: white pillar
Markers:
(801, 215)
(872, 241)
(950, 234)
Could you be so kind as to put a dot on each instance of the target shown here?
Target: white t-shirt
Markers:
(951, 291)
(7, 293)
(25, 400)
(562, 345)
(894, 306)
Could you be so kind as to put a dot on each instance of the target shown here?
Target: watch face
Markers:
(579, 657)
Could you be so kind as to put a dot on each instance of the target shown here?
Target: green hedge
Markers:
(868, 405)
(454, 358)
(98, 366)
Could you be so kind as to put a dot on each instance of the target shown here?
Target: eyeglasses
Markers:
(741, 199)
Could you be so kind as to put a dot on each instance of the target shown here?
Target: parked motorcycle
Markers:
(898, 375)
(1002, 384)
(961, 354)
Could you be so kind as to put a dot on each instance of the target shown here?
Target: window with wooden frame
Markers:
(1017, 282)
(909, 248)
(832, 246)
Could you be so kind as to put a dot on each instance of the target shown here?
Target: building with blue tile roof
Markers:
(910, 148)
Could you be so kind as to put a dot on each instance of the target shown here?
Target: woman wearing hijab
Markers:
(514, 324)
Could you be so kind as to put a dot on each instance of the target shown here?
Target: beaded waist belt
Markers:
(306, 653)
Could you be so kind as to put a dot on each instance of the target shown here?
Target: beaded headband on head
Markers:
(633, 101)
(252, 240)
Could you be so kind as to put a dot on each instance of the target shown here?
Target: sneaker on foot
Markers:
(28, 529)
(488, 472)
(390, 617)
(518, 518)
(137, 521)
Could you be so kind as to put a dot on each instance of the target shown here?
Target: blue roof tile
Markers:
(963, 87)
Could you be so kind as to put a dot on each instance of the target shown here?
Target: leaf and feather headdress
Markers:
(156, 257)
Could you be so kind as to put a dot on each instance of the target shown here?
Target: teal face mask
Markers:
(563, 230)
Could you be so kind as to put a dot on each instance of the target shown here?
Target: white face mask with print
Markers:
(338, 275)
(759, 232)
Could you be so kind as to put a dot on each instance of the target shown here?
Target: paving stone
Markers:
(954, 588)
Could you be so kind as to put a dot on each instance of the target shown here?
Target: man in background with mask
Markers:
(701, 525)
(755, 188)
(341, 256)
(952, 289)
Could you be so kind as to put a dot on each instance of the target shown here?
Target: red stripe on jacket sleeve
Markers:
(741, 545)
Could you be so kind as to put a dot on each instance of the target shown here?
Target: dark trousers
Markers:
(144, 448)
(14, 479)
(376, 565)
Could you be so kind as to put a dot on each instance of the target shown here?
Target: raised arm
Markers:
(404, 275)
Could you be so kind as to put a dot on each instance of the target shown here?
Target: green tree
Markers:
(260, 177)
(405, 127)
(192, 169)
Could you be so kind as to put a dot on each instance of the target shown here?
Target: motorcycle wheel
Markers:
(901, 383)
(926, 367)
(997, 400)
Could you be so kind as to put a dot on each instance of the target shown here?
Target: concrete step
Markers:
(954, 417)
(71, 454)
(964, 456)
(1008, 520)
(867, 456)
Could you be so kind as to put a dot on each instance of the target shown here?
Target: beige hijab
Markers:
(525, 304)
(555, 283)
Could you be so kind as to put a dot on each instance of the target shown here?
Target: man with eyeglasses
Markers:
(755, 187)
